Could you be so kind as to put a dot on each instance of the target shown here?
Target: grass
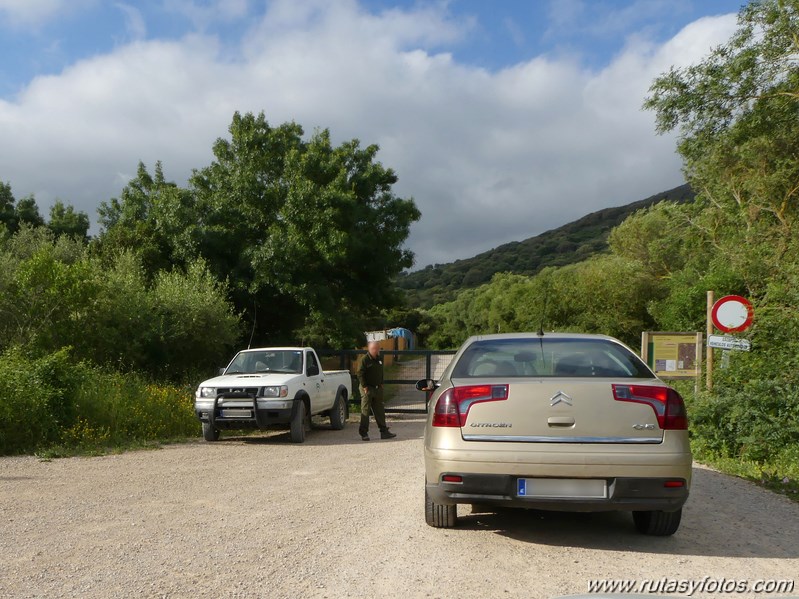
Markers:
(780, 475)
(778, 472)
(52, 407)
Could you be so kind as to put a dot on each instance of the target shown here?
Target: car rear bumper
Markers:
(623, 494)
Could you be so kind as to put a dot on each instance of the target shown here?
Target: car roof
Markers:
(546, 335)
(274, 349)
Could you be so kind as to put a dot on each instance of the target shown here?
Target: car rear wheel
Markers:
(210, 433)
(298, 423)
(338, 413)
(657, 523)
(437, 515)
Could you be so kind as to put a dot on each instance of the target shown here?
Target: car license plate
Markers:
(562, 488)
(236, 413)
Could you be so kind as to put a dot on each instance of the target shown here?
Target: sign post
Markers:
(709, 365)
(730, 314)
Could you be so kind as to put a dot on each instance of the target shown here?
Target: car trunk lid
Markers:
(561, 410)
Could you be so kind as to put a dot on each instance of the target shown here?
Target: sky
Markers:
(502, 119)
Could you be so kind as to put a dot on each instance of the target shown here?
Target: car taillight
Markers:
(667, 403)
(452, 407)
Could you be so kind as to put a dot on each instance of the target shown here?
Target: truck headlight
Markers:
(281, 391)
(207, 392)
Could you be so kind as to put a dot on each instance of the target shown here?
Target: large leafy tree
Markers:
(737, 115)
(309, 235)
(152, 216)
(8, 217)
(312, 233)
(65, 220)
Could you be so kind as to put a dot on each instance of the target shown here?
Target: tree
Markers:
(310, 233)
(153, 217)
(27, 211)
(64, 220)
(737, 113)
(8, 215)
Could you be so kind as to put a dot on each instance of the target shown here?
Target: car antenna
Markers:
(254, 321)
(544, 312)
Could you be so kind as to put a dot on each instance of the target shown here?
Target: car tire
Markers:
(338, 413)
(298, 423)
(657, 523)
(210, 433)
(437, 515)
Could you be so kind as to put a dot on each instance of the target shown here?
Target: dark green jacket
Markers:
(370, 372)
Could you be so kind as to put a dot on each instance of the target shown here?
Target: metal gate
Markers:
(401, 370)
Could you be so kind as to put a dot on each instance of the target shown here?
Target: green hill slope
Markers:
(570, 243)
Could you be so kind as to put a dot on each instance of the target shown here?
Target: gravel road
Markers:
(337, 517)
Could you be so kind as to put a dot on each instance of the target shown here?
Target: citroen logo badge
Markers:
(559, 397)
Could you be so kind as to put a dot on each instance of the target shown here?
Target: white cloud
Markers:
(489, 156)
(134, 21)
(27, 13)
(201, 15)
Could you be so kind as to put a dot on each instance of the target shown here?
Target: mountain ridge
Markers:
(567, 244)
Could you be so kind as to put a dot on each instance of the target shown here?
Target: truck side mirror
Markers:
(221, 371)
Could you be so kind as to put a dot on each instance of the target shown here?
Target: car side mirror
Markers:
(221, 371)
(426, 385)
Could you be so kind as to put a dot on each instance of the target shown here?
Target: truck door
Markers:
(316, 382)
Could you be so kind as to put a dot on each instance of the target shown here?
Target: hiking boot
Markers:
(363, 429)
(387, 434)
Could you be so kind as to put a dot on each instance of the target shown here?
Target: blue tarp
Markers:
(402, 332)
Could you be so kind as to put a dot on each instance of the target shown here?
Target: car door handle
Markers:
(561, 421)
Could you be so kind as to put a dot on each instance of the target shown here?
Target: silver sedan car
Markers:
(561, 422)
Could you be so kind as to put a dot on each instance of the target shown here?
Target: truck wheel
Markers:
(210, 434)
(657, 523)
(437, 515)
(298, 423)
(338, 413)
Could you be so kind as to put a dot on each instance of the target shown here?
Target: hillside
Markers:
(570, 243)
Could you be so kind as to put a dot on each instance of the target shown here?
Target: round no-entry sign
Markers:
(732, 314)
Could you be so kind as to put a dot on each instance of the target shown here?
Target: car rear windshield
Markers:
(549, 357)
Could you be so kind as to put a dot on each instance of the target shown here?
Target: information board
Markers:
(673, 355)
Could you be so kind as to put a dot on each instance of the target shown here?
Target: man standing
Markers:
(370, 378)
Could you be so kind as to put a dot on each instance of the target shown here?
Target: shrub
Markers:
(54, 401)
(37, 399)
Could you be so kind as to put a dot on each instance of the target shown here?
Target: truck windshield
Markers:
(549, 357)
(263, 361)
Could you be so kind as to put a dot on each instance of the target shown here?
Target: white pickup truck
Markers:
(261, 388)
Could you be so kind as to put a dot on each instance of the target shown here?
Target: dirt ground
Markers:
(336, 517)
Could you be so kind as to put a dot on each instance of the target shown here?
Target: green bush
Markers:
(125, 408)
(54, 294)
(753, 424)
(37, 399)
(53, 403)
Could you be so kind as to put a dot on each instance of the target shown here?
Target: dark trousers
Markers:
(372, 402)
